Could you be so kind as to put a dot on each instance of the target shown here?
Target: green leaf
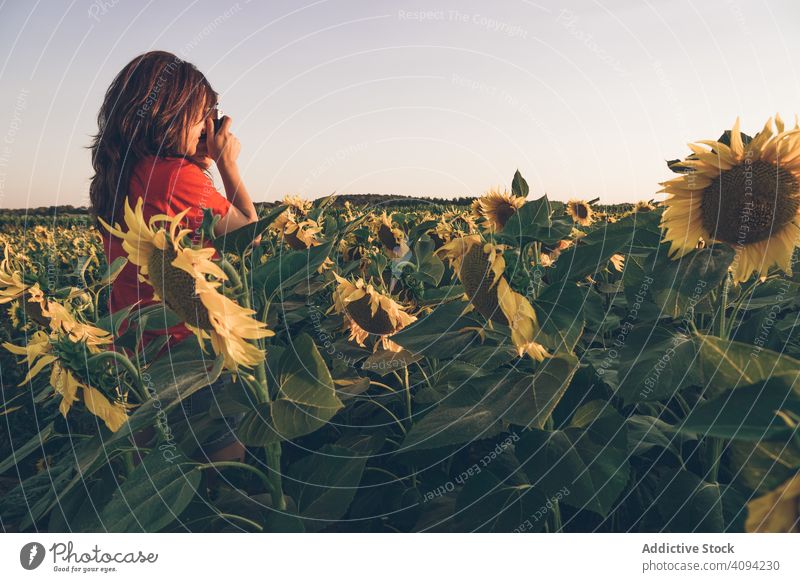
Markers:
(112, 323)
(324, 483)
(306, 397)
(654, 364)
(273, 422)
(590, 255)
(113, 271)
(762, 466)
(497, 500)
(519, 187)
(530, 400)
(646, 432)
(439, 334)
(646, 232)
(722, 364)
(430, 267)
(450, 425)
(747, 413)
(773, 293)
(384, 362)
(157, 317)
(688, 504)
(287, 269)
(153, 495)
(532, 223)
(559, 311)
(18, 454)
(589, 458)
(303, 377)
(682, 283)
(241, 238)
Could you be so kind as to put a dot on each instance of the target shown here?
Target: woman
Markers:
(156, 140)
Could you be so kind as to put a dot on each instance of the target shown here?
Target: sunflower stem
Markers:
(222, 464)
(746, 295)
(556, 517)
(233, 276)
(124, 362)
(720, 324)
(127, 458)
(273, 454)
(715, 446)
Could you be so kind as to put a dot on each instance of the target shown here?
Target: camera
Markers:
(217, 113)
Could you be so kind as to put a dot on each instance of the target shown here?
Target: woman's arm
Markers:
(223, 148)
(242, 212)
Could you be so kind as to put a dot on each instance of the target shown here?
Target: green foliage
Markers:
(668, 399)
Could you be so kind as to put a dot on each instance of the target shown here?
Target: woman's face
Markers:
(196, 128)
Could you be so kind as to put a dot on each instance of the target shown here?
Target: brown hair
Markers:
(147, 111)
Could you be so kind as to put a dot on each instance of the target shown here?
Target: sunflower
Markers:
(475, 208)
(296, 211)
(744, 195)
(553, 251)
(778, 511)
(369, 311)
(301, 235)
(13, 289)
(581, 212)
(351, 248)
(297, 204)
(497, 207)
(349, 213)
(480, 268)
(391, 237)
(179, 277)
(40, 352)
(546, 260)
(461, 222)
(618, 262)
(11, 284)
(643, 206)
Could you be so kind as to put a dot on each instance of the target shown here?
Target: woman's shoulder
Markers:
(165, 164)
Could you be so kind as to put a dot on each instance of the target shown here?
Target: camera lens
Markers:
(217, 119)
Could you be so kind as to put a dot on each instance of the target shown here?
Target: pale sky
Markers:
(436, 98)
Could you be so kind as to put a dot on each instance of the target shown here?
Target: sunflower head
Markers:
(777, 511)
(297, 204)
(581, 212)
(643, 206)
(65, 355)
(188, 281)
(177, 288)
(746, 195)
(618, 262)
(389, 235)
(460, 222)
(480, 268)
(496, 207)
(34, 303)
(369, 311)
(166, 264)
(301, 235)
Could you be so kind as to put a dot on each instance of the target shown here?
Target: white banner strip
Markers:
(401, 557)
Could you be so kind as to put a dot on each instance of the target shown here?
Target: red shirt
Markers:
(168, 186)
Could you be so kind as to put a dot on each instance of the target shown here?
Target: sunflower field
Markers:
(517, 365)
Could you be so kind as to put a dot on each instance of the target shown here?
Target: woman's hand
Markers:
(223, 147)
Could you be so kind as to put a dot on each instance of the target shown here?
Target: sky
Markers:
(437, 98)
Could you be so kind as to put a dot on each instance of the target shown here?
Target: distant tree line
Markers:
(377, 200)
